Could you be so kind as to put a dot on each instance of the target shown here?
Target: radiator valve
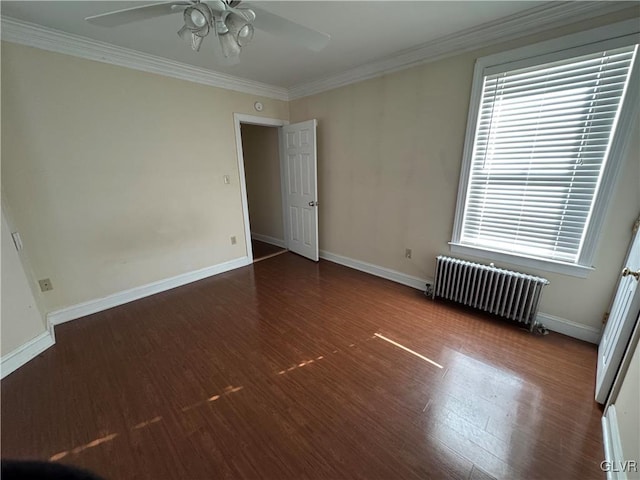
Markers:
(429, 290)
(541, 329)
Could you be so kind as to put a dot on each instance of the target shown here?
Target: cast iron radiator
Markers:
(506, 293)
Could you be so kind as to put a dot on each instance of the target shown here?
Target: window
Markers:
(542, 139)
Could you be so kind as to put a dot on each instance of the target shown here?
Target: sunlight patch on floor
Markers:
(304, 363)
(382, 337)
(91, 444)
(107, 438)
(227, 390)
(147, 423)
(319, 357)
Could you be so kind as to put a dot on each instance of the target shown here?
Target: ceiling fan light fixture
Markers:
(240, 27)
(183, 31)
(197, 17)
(232, 25)
(248, 14)
(221, 28)
(196, 42)
(230, 47)
(244, 35)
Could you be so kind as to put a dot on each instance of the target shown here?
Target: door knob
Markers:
(313, 204)
(626, 271)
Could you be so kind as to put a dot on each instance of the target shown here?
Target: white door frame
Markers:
(239, 118)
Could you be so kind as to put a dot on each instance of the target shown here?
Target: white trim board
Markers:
(270, 240)
(44, 38)
(544, 17)
(393, 275)
(26, 352)
(238, 120)
(612, 444)
(535, 20)
(553, 323)
(93, 306)
(588, 41)
(569, 328)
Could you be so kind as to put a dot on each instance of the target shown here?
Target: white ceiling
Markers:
(361, 32)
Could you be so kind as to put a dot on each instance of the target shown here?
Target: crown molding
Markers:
(545, 17)
(32, 35)
(538, 19)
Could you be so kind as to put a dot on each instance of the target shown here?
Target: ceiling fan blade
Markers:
(129, 15)
(277, 25)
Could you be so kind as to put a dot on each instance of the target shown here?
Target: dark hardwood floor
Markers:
(274, 371)
(262, 250)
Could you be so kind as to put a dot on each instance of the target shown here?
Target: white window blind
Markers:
(541, 142)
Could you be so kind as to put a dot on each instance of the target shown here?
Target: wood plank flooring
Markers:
(274, 371)
(264, 250)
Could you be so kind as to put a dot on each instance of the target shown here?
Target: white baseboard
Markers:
(569, 328)
(21, 355)
(612, 445)
(267, 239)
(555, 324)
(393, 275)
(93, 306)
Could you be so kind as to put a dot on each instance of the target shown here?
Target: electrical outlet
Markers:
(45, 285)
(407, 253)
(234, 240)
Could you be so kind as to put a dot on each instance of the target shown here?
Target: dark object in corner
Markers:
(428, 291)
(34, 470)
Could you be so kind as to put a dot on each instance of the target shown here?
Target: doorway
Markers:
(278, 183)
(261, 160)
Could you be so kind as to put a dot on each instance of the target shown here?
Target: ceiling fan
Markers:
(231, 24)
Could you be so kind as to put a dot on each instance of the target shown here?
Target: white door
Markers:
(299, 161)
(622, 318)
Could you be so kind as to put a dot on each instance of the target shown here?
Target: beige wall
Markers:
(114, 176)
(262, 171)
(389, 157)
(21, 320)
(628, 411)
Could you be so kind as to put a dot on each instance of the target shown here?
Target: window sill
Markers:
(571, 269)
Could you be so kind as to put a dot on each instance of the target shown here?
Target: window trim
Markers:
(625, 32)
(573, 269)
